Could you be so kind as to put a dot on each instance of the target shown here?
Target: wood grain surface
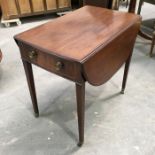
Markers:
(79, 34)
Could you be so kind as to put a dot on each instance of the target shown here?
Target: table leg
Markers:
(132, 6)
(126, 70)
(31, 85)
(80, 96)
(140, 7)
(152, 45)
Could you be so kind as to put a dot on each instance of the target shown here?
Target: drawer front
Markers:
(54, 64)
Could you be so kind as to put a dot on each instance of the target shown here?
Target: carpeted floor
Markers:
(115, 124)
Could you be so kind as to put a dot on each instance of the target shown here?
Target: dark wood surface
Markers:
(132, 6)
(90, 30)
(97, 69)
(31, 85)
(126, 71)
(99, 3)
(89, 44)
(81, 41)
(80, 97)
(68, 69)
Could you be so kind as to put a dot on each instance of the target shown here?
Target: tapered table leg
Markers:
(152, 45)
(80, 96)
(31, 85)
(140, 7)
(126, 70)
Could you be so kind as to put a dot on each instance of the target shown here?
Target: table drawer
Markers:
(65, 68)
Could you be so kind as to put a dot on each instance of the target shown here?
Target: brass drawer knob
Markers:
(32, 55)
(59, 65)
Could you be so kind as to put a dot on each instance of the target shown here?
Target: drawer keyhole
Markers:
(32, 55)
(59, 65)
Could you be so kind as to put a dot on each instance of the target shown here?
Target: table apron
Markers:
(64, 68)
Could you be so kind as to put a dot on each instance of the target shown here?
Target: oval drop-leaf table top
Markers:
(77, 34)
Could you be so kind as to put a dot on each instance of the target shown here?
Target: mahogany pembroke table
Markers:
(89, 44)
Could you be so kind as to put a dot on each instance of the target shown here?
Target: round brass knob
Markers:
(32, 55)
(59, 66)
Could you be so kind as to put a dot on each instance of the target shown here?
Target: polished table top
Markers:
(79, 34)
